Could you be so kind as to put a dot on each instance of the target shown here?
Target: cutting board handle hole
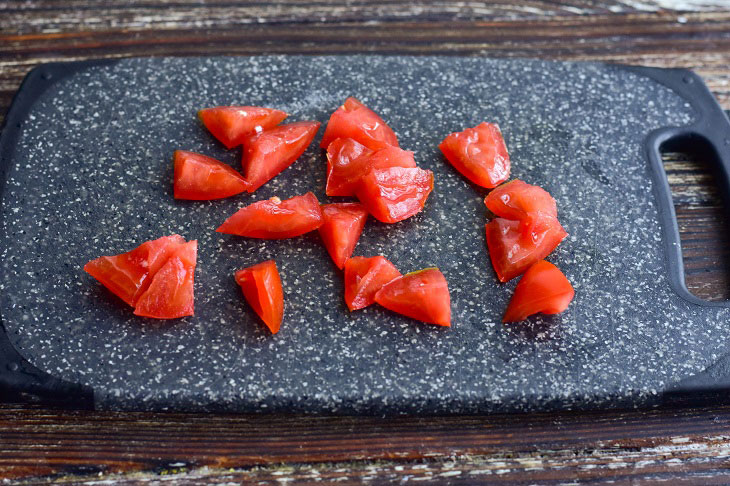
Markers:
(700, 193)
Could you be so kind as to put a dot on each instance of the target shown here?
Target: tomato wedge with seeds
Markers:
(422, 295)
(543, 288)
(364, 277)
(395, 193)
(345, 171)
(479, 153)
(268, 153)
(202, 178)
(261, 286)
(128, 275)
(357, 121)
(342, 226)
(518, 200)
(171, 293)
(232, 125)
(514, 246)
(275, 219)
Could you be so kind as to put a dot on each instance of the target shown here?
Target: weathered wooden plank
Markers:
(49, 16)
(539, 447)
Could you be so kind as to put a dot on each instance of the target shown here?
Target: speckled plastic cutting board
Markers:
(88, 173)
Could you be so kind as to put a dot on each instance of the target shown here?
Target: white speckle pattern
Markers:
(92, 173)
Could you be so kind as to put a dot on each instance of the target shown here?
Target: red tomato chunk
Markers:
(276, 219)
(261, 286)
(395, 193)
(514, 246)
(544, 289)
(202, 178)
(479, 153)
(232, 125)
(364, 277)
(268, 153)
(518, 200)
(156, 277)
(358, 122)
(421, 295)
(343, 224)
(348, 162)
(170, 294)
(527, 231)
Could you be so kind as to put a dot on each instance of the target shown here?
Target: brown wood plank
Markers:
(537, 447)
(50, 16)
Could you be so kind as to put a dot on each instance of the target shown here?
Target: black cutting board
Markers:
(86, 158)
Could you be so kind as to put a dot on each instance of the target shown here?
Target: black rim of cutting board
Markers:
(22, 381)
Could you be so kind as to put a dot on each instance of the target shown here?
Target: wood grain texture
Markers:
(536, 448)
(687, 446)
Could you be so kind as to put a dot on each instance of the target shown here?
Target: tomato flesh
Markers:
(275, 219)
(514, 246)
(422, 295)
(348, 162)
(518, 200)
(128, 275)
(170, 294)
(269, 152)
(261, 286)
(342, 226)
(232, 125)
(202, 178)
(364, 277)
(358, 122)
(479, 153)
(395, 193)
(543, 288)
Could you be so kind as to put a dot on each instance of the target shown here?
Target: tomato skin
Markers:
(128, 275)
(543, 288)
(364, 277)
(395, 193)
(357, 121)
(342, 226)
(232, 125)
(348, 162)
(422, 295)
(202, 178)
(171, 292)
(275, 219)
(268, 153)
(517, 200)
(261, 286)
(514, 246)
(479, 153)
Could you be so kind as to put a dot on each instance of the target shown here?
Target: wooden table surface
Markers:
(669, 446)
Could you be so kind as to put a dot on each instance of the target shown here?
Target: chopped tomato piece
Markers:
(269, 152)
(170, 294)
(261, 286)
(395, 193)
(343, 224)
(275, 219)
(202, 178)
(345, 168)
(357, 121)
(543, 288)
(517, 200)
(129, 274)
(364, 277)
(514, 246)
(231, 125)
(422, 295)
(479, 153)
